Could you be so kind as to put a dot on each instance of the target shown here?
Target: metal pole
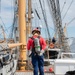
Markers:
(22, 33)
(29, 17)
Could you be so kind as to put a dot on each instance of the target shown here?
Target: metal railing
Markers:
(72, 55)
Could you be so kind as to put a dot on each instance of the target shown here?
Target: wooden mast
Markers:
(22, 33)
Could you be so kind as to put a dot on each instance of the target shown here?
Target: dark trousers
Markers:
(38, 64)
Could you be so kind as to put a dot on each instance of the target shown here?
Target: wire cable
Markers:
(52, 9)
(67, 10)
(63, 6)
(37, 7)
(6, 29)
(2, 21)
(37, 14)
(44, 16)
(71, 21)
(13, 23)
(3, 24)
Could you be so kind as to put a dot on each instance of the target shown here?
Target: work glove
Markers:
(41, 52)
(29, 53)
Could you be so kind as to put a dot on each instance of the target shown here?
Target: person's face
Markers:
(36, 32)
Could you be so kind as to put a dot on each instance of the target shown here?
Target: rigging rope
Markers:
(52, 9)
(63, 6)
(37, 14)
(38, 9)
(13, 23)
(3, 24)
(71, 21)
(52, 12)
(67, 9)
(44, 16)
(2, 20)
(6, 30)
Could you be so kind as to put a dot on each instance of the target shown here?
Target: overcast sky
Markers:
(6, 15)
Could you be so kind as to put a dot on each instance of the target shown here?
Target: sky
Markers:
(6, 15)
(7, 12)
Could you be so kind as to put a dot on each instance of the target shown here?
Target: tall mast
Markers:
(22, 33)
(29, 17)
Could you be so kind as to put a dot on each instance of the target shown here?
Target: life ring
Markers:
(51, 45)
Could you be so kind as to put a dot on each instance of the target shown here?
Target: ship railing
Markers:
(50, 58)
(68, 55)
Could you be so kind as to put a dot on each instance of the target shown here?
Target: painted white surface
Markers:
(61, 66)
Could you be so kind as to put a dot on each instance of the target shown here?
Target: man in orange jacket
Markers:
(37, 58)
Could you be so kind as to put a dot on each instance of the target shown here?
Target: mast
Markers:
(29, 17)
(22, 33)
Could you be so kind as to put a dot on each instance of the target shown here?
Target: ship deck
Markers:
(30, 73)
(46, 71)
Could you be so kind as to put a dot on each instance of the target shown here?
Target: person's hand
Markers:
(41, 52)
(29, 53)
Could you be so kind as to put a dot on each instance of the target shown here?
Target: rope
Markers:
(63, 6)
(71, 21)
(68, 9)
(45, 19)
(6, 29)
(3, 22)
(13, 23)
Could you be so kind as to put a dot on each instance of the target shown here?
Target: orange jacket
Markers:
(51, 45)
